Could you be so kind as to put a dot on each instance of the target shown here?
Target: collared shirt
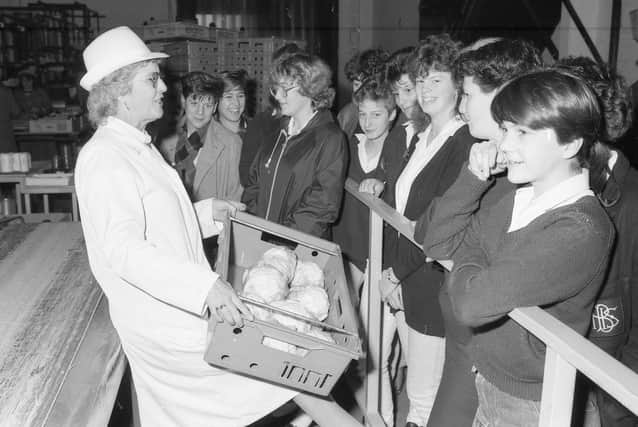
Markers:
(423, 153)
(527, 208)
(368, 163)
(291, 125)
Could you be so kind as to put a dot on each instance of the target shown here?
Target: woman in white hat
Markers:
(145, 249)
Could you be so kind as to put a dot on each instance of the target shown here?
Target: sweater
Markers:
(557, 262)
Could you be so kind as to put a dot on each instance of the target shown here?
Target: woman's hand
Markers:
(222, 209)
(372, 186)
(390, 289)
(225, 305)
(485, 160)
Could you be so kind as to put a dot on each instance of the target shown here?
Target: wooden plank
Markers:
(44, 316)
(375, 318)
(97, 371)
(385, 211)
(611, 375)
(558, 391)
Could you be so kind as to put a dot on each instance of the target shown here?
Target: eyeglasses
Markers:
(275, 90)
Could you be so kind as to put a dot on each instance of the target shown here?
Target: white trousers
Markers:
(391, 324)
(425, 357)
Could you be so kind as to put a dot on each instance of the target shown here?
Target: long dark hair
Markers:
(557, 100)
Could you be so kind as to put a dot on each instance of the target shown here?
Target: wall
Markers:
(365, 24)
(596, 16)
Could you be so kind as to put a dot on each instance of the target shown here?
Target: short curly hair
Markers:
(375, 90)
(435, 52)
(366, 65)
(103, 96)
(398, 64)
(199, 83)
(311, 74)
(495, 63)
(611, 90)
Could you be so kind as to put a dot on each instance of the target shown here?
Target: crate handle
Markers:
(278, 240)
(313, 322)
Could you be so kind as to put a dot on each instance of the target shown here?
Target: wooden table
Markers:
(61, 362)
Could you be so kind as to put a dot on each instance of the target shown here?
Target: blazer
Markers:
(217, 165)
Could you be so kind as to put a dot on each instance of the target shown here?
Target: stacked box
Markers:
(187, 56)
(174, 30)
(242, 350)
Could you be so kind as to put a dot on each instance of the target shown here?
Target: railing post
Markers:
(559, 381)
(374, 323)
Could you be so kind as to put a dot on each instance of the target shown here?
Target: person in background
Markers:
(232, 105)
(33, 101)
(481, 71)
(9, 110)
(265, 125)
(297, 179)
(398, 149)
(614, 326)
(204, 153)
(377, 112)
(363, 66)
(545, 244)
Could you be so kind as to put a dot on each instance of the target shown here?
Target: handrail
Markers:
(566, 350)
(611, 375)
(385, 211)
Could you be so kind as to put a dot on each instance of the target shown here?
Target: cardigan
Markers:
(421, 281)
(558, 262)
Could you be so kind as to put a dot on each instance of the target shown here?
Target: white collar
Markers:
(527, 208)
(368, 164)
(133, 134)
(292, 122)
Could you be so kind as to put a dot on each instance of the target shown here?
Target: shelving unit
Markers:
(50, 36)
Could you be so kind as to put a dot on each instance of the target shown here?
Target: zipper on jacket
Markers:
(274, 176)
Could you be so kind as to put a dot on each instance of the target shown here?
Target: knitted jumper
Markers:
(556, 262)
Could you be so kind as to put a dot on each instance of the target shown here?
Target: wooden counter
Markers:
(61, 362)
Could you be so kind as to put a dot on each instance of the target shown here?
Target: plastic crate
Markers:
(242, 350)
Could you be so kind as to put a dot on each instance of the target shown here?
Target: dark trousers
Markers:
(456, 400)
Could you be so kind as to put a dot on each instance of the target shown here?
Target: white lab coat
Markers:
(144, 245)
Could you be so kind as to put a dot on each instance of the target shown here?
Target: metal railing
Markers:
(567, 351)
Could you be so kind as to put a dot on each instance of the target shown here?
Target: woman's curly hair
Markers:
(366, 65)
(310, 73)
(103, 97)
(611, 90)
(435, 52)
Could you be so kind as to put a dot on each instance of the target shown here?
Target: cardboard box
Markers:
(55, 125)
(242, 350)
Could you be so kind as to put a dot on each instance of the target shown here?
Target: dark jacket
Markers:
(298, 181)
(615, 316)
(261, 128)
(351, 232)
(420, 281)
